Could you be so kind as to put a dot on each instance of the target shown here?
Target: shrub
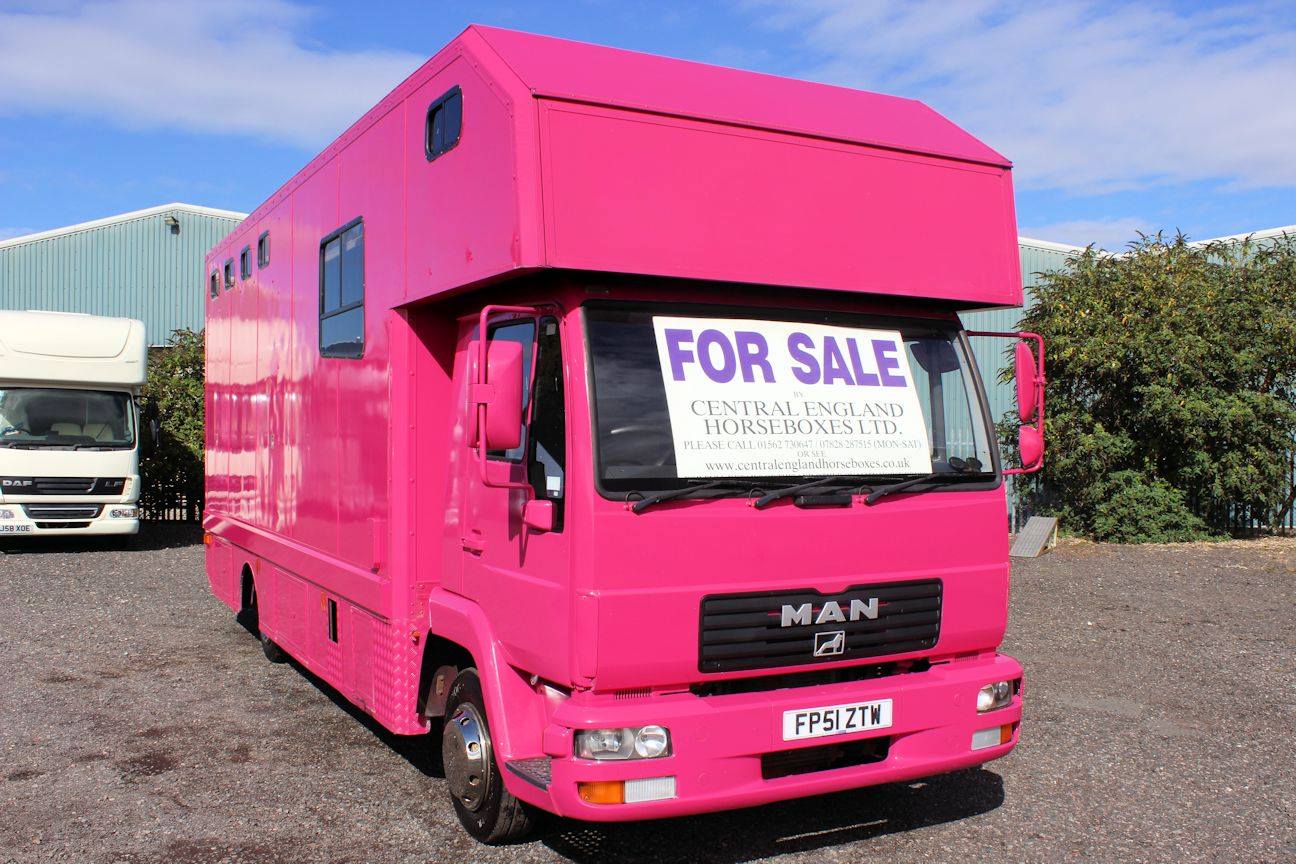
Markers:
(1172, 381)
(171, 469)
(1134, 509)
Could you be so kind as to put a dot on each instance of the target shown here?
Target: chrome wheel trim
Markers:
(466, 756)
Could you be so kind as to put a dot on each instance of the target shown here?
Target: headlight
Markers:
(995, 695)
(6, 513)
(651, 742)
(636, 742)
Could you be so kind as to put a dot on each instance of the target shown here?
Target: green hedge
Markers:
(1172, 388)
(171, 467)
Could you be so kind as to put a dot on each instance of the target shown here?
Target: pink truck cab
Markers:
(610, 418)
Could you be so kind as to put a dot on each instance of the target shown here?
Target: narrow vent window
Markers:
(263, 250)
(444, 123)
(245, 262)
(215, 285)
(229, 274)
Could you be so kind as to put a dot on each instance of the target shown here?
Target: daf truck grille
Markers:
(61, 511)
(61, 486)
(793, 628)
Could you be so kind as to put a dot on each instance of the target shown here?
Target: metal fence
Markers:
(172, 507)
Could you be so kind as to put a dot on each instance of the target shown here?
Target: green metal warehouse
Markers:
(147, 264)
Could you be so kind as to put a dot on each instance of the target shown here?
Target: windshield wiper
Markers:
(671, 494)
(770, 497)
(940, 478)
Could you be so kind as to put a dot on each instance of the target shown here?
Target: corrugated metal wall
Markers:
(136, 268)
(989, 352)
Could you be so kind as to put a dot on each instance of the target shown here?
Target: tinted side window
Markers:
(524, 333)
(215, 284)
(342, 292)
(547, 461)
(245, 262)
(229, 273)
(263, 250)
(444, 123)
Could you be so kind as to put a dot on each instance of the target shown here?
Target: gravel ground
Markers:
(142, 724)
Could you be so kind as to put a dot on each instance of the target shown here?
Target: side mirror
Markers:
(1030, 443)
(538, 515)
(501, 393)
(1030, 397)
(1026, 374)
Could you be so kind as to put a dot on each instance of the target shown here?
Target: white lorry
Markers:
(69, 424)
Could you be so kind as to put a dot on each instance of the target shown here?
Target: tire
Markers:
(273, 652)
(485, 808)
(250, 617)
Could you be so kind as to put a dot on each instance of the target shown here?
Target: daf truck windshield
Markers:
(38, 417)
(687, 396)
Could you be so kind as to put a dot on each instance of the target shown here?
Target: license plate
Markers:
(836, 719)
(15, 529)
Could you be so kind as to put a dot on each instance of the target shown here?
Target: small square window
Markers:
(245, 262)
(263, 250)
(444, 123)
(229, 274)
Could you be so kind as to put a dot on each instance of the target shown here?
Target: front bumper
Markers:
(718, 741)
(20, 524)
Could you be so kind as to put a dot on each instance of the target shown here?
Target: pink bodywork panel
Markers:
(353, 480)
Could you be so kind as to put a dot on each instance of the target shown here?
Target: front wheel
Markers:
(485, 808)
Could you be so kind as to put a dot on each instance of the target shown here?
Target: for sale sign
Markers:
(758, 398)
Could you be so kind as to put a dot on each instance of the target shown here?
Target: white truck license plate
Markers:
(836, 719)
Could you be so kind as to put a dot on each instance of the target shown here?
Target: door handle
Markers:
(473, 544)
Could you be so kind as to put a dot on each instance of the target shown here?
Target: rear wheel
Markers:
(249, 616)
(273, 652)
(485, 808)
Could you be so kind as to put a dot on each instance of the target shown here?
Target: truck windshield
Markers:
(57, 417)
(689, 394)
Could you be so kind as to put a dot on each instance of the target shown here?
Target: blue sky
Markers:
(1118, 117)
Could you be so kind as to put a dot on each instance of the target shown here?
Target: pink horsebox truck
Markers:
(610, 418)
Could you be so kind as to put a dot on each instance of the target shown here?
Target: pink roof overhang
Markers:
(657, 166)
(581, 72)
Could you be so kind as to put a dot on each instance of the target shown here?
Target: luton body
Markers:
(608, 420)
(69, 424)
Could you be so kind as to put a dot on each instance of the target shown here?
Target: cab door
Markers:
(520, 575)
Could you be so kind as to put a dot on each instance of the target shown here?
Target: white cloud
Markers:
(1110, 234)
(235, 66)
(1084, 96)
